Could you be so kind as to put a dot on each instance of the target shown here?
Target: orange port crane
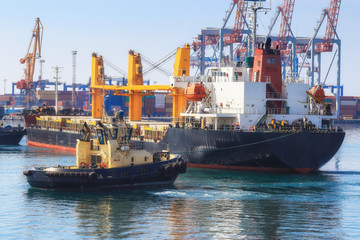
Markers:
(238, 30)
(332, 19)
(287, 12)
(240, 20)
(135, 89)
(26, 85)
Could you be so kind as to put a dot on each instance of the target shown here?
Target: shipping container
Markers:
(348, 98)
(4, 103)
(358, 106)
(347, 102)
(352, 113)
(6, 98)
(347, 107)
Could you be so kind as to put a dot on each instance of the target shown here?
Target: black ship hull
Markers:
(11, 135)
(55, 139)
(302, 151)
(143, 176)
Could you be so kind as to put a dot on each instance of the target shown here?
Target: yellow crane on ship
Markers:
(135, 89)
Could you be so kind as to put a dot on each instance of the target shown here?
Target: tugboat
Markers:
(11, 135)
(109, 162)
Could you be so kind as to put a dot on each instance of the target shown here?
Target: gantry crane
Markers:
(26, 85)
(217, 38)
(240, 20)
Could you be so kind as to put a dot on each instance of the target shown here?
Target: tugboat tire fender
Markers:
(82, 164)
(168, 170)
(176, 167)
(183, 167)
(92, 175)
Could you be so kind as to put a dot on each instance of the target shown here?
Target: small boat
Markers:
(109, 161)
(11, 135)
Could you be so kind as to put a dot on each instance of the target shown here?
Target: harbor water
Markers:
(202, 204)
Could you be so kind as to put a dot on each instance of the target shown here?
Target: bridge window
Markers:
(100, 135)
(114, 133)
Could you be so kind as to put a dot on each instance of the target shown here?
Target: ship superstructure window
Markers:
(129, 130)
(273, 61)
(268, 60)
(114, 133)
(100, 135)
(98, 159)
(237, 75)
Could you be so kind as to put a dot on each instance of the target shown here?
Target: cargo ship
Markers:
(242, 116)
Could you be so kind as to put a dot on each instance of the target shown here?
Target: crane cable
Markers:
(156, 65)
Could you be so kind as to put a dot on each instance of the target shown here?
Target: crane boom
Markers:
(30, 57)
(286, 18)
(240, 20)
(26, 85)
(333, 15)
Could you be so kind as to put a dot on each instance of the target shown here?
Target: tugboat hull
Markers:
(142, 176)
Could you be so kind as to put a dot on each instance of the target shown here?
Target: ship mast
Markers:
(254, 9)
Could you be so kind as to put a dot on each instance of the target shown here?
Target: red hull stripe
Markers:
(244, 168)
(304, 170)
(44, 145)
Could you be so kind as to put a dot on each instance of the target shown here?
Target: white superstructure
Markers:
(235, 101)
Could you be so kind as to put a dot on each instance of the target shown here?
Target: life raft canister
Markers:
(319, 94)
(195, 92)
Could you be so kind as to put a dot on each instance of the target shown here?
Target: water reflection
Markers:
(227, 205)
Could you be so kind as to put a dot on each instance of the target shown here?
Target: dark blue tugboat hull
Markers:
(142, 176)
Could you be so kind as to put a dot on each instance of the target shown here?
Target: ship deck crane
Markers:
(135, 89)
(26, 85)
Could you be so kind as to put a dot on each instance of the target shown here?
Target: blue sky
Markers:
(153, 28)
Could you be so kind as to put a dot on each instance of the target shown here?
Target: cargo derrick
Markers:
(26, 85)
(181, 68)
(135, 89)
(97, 79)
